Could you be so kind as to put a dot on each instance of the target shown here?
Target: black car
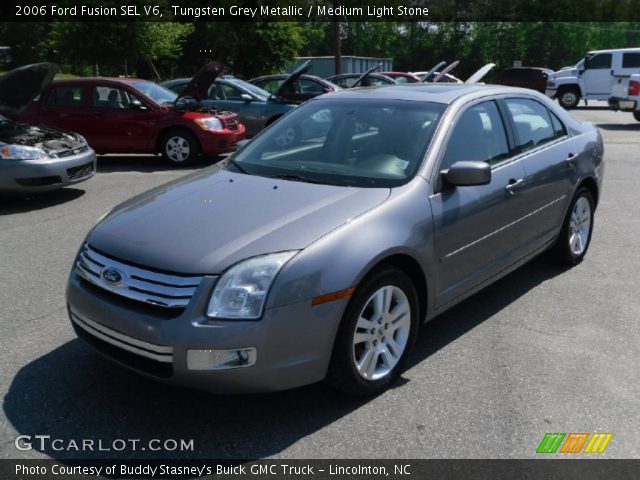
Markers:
(36, 158)
(534, 78)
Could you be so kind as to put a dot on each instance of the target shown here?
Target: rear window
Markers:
(631, 60)
(66, 97)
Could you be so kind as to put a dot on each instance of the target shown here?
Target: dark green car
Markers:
(256, 108)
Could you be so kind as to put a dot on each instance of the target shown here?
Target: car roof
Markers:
(71, 81)
(434, 92)
(611, 50)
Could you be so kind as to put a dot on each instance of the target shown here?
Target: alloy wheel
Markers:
(177, 149)
(381, 333)
(580, 226)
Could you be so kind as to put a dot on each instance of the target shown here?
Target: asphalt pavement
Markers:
(543, 350)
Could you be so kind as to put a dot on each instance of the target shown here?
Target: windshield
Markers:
(350, 142)
(155, 92)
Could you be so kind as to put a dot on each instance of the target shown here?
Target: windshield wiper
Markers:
(237, 165)
(296, 178)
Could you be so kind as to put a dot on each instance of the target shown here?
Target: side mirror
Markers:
(246, 98)
(137, 105)
(467, 174)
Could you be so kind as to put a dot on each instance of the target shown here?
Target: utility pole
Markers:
(337, 42)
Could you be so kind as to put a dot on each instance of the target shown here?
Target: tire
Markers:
(370, 350)
(572, 243)
(636, 115)
(179, 147)
(569, 97)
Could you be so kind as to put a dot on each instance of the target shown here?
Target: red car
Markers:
(126, 115)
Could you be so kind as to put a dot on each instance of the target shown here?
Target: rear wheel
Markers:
(179, 147)
(569, 97)
(575, 236)
(376, 334)
(636, 115)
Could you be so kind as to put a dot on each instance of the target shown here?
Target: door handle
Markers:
(513, 185)
(571, 160)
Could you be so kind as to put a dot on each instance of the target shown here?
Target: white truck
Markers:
(593, 76)
(625, 95)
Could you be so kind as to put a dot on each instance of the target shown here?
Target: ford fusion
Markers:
(36, 158)
(320, 259)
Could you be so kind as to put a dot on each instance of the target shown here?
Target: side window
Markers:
(532, 121)
(223, 91)
(631, 60)
(478, 134)
(65, 97)
(270, 85)
(110, 97)
(598, 62)
(311, 86)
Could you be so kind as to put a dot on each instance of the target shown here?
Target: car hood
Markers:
(199, 85)
(19, 87)
(295, 75)
(49, 139)
(205, 222)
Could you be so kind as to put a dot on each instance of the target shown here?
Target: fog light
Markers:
(221, 359)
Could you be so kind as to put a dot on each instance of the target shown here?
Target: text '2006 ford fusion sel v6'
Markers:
(290, 264)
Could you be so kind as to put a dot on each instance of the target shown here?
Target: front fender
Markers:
(343, 257)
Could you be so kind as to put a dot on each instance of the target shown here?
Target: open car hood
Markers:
(19, 87)
(434, 69)
(442, 73)
(479, 75)
(295, 75)
(199, 85)
(366, 74)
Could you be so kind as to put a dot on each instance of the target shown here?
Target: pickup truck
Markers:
(592, 77)
(625, 95)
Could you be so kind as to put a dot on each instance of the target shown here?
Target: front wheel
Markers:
(636, 115)
(575, 236)
(179, 147)
(569, 98)
(376, 334)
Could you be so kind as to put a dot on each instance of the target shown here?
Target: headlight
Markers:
(209, 123)
(21, 152)
(242, 290)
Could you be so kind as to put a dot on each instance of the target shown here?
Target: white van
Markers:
(591, 78)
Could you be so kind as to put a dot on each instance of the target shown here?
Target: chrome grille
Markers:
(231, 123)
(70, 153)
(165, 290)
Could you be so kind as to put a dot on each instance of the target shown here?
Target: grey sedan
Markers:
(320, 260)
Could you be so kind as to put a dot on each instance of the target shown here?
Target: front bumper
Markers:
(293, 342)
(220, 141)
(32, 176)
(616, 103)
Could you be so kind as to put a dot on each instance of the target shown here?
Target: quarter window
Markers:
(478, 135)
(533, 122)
(631, 60)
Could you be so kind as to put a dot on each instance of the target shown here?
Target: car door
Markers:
(224, 96)
(120, 124)
(596, 76)
(66, 107)
(549, 156)
(478, 229)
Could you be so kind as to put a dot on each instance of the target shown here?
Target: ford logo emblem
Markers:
(112, 276)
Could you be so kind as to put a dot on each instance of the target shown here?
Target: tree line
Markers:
(163, 50)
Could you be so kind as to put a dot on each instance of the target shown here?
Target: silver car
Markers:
(36, 158)
(319, 260)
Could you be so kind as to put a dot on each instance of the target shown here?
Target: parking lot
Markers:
(542, 350)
